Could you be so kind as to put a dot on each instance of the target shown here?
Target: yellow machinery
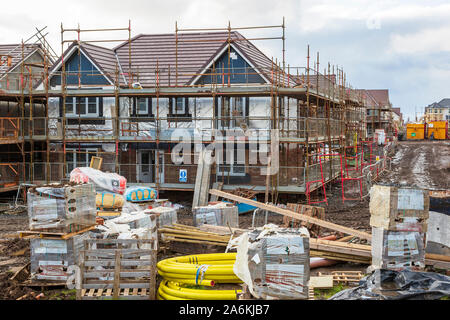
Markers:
(415, 131)
(437, 130)
(180, 273)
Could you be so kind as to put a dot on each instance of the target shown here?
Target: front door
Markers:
(146, 166)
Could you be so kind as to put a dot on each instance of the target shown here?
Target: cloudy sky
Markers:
(399, 45)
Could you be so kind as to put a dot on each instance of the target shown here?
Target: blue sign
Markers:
(183, 175)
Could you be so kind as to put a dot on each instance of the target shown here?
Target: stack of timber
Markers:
(342, 251)
(189, 234)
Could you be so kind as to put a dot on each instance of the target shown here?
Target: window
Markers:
(234, 112)
(142, 106)
(235, 167)
(79, 157)
(82, 106)
(179, 109)
(70, 105)
(180, 106)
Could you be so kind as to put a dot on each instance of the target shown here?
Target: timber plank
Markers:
(289, 213)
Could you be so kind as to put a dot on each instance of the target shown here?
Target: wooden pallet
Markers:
(107, 294)
(311, 293)
(52, 235)
(347, 277)
(128, 270)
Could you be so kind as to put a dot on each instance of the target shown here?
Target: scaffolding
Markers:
(314, 113)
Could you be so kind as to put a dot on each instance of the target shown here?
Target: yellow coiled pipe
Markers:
(201, 269)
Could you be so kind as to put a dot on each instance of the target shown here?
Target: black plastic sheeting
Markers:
(385, 284)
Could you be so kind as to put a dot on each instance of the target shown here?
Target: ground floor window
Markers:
(79, 157)
(231, 164)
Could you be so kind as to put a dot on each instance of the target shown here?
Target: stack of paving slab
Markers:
(274, 263)
(218, 214)
(399, 221)
(60, 213)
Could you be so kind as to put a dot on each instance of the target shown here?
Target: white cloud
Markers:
(321, 15)
(425, 41)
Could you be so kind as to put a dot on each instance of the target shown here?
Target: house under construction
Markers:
(126, 104)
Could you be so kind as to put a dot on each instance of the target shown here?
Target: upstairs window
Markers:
(179, 109)
(142, 107)
(83, 107)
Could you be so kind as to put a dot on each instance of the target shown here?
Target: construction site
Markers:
(191, 166)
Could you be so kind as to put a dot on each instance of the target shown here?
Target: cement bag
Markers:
(109, 200)
(106, 181)
(137, 194)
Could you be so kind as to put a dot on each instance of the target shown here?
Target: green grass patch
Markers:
(325, 294)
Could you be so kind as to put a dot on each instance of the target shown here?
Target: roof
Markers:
(397, 111)
(444, 103)
(103, 58)
(381, 96)
(189, 53)
(15, 51)
(375, 97)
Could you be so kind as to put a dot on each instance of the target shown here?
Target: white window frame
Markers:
(74, 152)
(184, 110)
(74, 113)
(138, 111)
(229, 117)
(232, 166)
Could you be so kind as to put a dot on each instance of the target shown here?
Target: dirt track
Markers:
(422, 164)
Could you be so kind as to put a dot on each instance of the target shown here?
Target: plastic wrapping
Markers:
(220, 214)
(51, 258)
(139, 194)
(277, 262)
(397, 250)
(61, 208)
(136, 220)
(137, 225)
(399, 209)
(398, 285)
(166, 216)
(102, 180)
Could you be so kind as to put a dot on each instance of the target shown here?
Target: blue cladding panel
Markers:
(90, 75)
(241, 71)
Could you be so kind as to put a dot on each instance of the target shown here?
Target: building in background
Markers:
(438, 111)
(379, 111)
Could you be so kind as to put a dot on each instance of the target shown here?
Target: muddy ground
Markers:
(414, 163)
(422, 164)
